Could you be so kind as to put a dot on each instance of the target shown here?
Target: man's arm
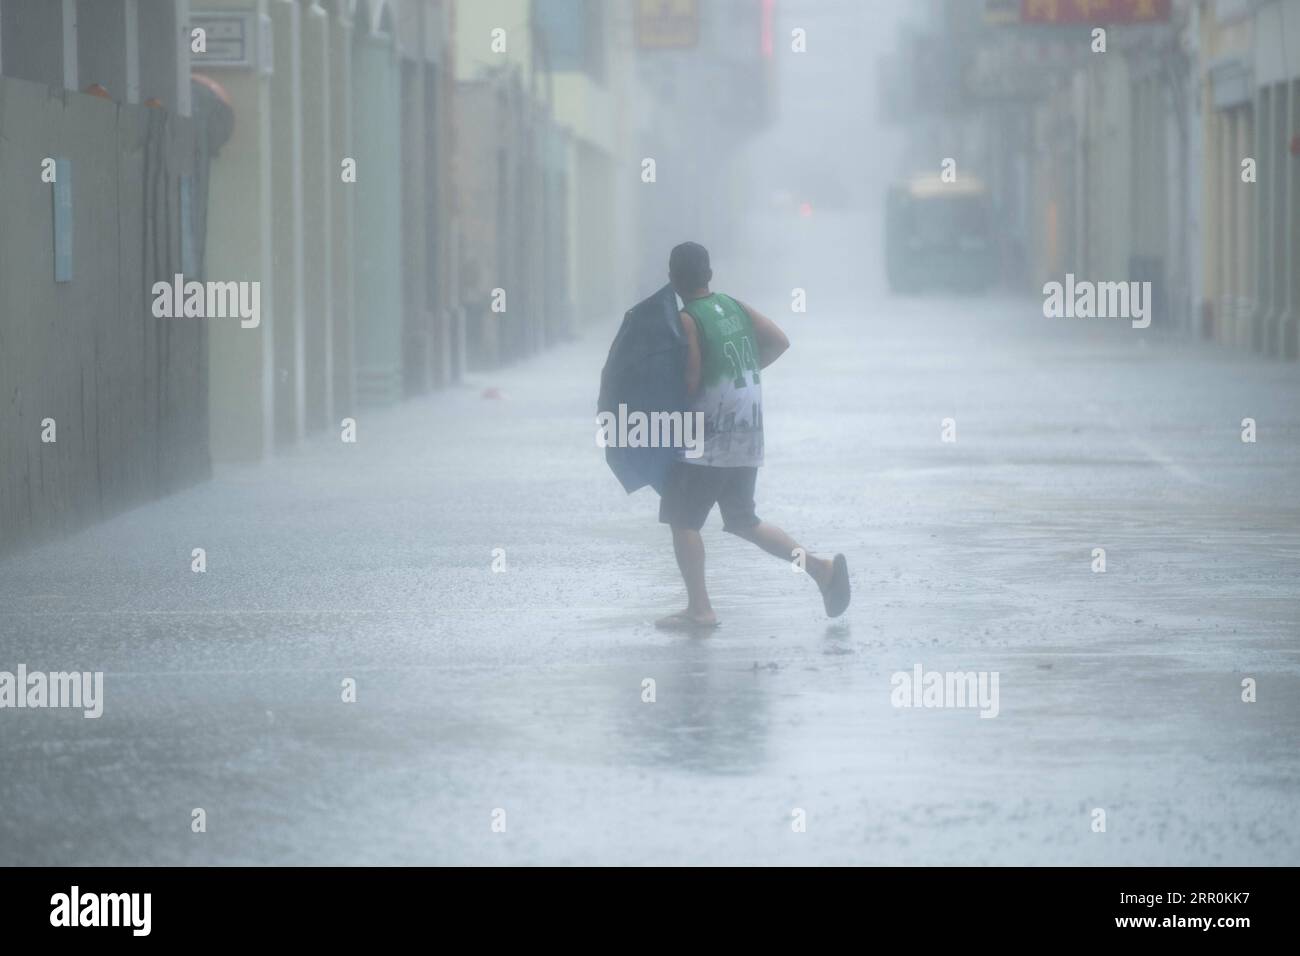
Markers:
(692, 354)
(772, 342)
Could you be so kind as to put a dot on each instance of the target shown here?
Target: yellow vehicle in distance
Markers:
(939, 235)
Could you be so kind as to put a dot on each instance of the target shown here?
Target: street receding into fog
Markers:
(522, 689)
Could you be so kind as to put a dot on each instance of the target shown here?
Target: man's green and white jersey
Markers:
(730, 395)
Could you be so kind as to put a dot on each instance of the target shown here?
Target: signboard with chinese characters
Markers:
(1094, 12)
(234, 39)
(667, 24)
(228, 36)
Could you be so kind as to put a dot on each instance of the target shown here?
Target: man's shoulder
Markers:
(716, 302)
(734, 302)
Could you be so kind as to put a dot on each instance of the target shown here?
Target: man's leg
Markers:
(687, 499)
(776, 542)
(738, 517)
(689, 548)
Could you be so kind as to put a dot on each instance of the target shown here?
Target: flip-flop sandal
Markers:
(836, 595)
(682, 622)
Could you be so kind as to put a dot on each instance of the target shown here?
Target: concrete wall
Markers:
(479, 149)
(359, 297)
(1250, 108)
(376, 146)
(287, 230)
(354, 315)
(1277, 73)
(474, 25)
(318, 180)
(503, 184)
(1109, 152)
(127, 391)
(342, 206)
(34, 38)
(242, 396)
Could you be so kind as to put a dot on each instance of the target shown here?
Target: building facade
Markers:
(366, 171)
(1170, 155)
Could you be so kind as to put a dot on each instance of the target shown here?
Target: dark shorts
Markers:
(691, 491)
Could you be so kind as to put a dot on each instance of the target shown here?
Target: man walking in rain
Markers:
(727, 345)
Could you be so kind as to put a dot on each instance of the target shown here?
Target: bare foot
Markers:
(687, 621)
